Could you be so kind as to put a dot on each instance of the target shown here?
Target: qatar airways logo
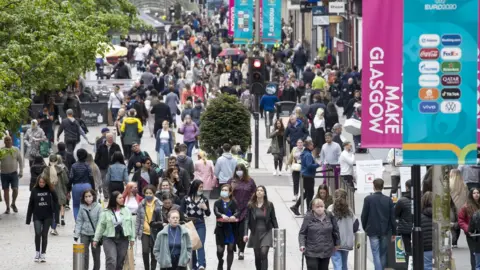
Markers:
(440, 5)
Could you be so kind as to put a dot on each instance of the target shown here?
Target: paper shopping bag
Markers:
(129, 260)
(196, 243)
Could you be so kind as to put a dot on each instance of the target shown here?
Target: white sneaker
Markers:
(294, 199)
(279, 173)
(42, 258)
(37, 257)
(53, 232)
(275, 173)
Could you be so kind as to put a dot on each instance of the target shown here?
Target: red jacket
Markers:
(464, 219)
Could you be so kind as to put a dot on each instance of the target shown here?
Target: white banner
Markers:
(367, 171)
(406, 174)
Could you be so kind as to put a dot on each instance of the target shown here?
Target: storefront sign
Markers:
(367, 171)
(93, 114)
(336, 7)
(440, 131)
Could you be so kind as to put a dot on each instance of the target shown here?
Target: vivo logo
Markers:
(451, 53)
(429, 80)
(429, 67)
(428, 107)
(429, 40)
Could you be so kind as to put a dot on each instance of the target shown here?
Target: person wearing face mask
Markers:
(243, 189)
(347, 160)
(149, 223)
(195, 206)
(173, 246)
(260, 220)
(319, 236)
(85, 225)
(190, 132)
(226, 211)
(132, 199)
(116, 228)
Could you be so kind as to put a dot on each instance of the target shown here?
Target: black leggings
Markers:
(220, 251)
(309, 187)
(261, 258)
(41, 233)
(317, 263)
(278, 162)
(296, 182)
(147, 253)
(239, 239)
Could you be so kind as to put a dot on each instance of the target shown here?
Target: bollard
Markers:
(22, 145)
(360, 252)
(279, 249)
(330, 180)
(302, 197)
(78, 256)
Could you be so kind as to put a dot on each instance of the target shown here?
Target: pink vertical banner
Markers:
(231, 14)
(382, 74)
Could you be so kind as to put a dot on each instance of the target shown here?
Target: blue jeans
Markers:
(162, 155)
(427, 260)
(198, 257)
(190, 146)
(379, 246)
(339, 260)
(77, 191)
(477, 261)
(114, 114)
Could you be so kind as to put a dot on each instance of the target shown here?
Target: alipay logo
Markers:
(429, 80)
(429, 40)
(440, 5)
(451, 53)
(429, 67)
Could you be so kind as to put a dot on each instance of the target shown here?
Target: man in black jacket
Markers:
(308, 76)
(162, 113)
(378, 221)
(72, 131)
(299, 61)
(403, 213)
(103, 159)
(135, 160)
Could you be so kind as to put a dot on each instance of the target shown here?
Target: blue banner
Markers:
(272, 21)
(243, 24)
(440, 82)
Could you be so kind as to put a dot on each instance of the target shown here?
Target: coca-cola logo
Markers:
(429, 53)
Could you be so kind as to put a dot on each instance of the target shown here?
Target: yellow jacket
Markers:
(132, 120)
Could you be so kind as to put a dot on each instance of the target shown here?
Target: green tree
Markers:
(46, 44)
(225, 120)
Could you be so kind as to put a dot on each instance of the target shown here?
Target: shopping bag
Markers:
(45, 149)
(129, 260)
(194, 238)
(353, 126)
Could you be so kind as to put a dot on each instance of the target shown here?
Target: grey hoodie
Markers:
(225, 167)
(347, 227)
(186, 163)
(83, 225)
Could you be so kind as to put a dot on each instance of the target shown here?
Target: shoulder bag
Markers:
(93, 226)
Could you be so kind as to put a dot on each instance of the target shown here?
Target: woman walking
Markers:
(294, 161)
(165, 141)
(464, 216)
(165, 187)
(459, 194)
(318, 129)
(131, 197)
(322, 193)
(347, 227)
(195, 206)
(58, 177)
(260, 220)
(168, 204)
(318, 237)
(116, 229)
(97, 175)
(204, 170)
(86, 224)
(81, 179)
(149, 223)
(173, 247)
(277, 146)
(190, 132)
(243, 189)
(145, 176)
(43, 207)
(117, 174)
(226, 211)
(33, 137)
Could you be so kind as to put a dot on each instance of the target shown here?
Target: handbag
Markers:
(45, 149)
(93, 226)
(194, 238)
(296, 167)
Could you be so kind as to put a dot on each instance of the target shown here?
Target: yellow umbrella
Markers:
(114, 51)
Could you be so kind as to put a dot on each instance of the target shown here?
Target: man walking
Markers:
(378, 221)
(225, 166)
(11, 170)
(103, 159)
(72, 131)
(347, 160)
(330, 153)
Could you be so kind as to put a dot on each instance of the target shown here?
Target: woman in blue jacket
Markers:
(309, 168)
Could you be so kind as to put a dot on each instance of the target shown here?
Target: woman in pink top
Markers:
(204, 171)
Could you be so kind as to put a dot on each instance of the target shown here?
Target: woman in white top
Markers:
(115, 102)
(165, 140)
(131, 197)
(318, 129)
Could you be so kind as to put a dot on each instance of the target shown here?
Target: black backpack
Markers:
(474, 225)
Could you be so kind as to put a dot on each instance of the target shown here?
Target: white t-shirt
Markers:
(132, 204)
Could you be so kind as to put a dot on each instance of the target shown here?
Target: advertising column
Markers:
(440, 82)
(243, 22)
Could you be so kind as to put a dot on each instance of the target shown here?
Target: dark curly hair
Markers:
(340, 205)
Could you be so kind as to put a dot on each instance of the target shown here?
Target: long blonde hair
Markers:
(458, 189)
(203, 156)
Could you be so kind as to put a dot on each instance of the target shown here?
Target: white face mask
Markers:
(239, 173)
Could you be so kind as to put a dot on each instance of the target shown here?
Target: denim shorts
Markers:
(9, 180)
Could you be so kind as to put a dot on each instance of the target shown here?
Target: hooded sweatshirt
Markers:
(186, 163)
(225, 167)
